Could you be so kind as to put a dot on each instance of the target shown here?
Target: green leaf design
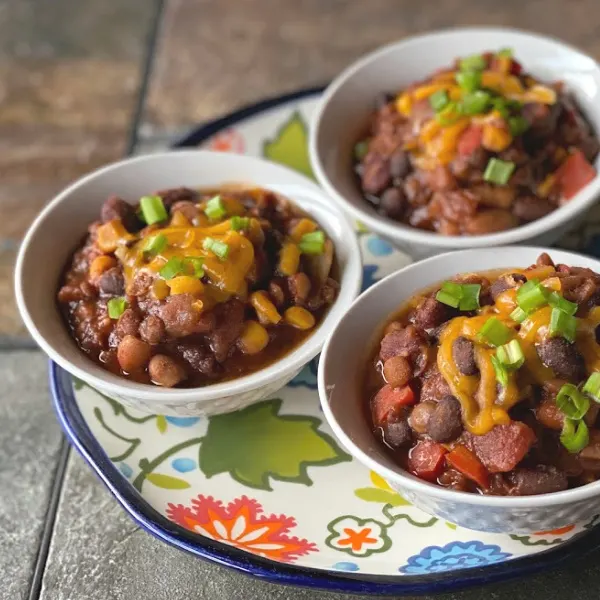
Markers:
(77, 383)
(161, 423)
(167, 481)
(257, 444)
(290, 145)
(450, 525)
(371, 494)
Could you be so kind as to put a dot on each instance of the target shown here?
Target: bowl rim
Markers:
(399, 475)
(351, 279)
(398, 231)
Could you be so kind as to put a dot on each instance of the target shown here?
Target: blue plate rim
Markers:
(80, 436)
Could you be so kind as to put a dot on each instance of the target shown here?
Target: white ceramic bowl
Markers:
(58, 231)
(341, 368)
(342, 115)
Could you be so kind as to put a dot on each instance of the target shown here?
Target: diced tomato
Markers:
(574, 174)
(463, 460)
(388, 400)
(502, 448)
(426, 460)
(515, 67)
(470, 140)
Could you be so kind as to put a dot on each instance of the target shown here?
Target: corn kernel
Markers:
(540, 93)
(552, 283)
(101, 264)
(179, 220)
(265, 309)
(301, 227)
(289, 259)
(112, 234)
(299, 317)
(160, 289)
(429, 130)
(404, 104)
(544, 189)
(495, 138)
(185, 284)
(254, 338)
(425, 91)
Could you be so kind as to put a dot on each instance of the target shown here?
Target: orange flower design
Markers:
(242, 524)
(228, 140)
(356, 539)
(559, 531)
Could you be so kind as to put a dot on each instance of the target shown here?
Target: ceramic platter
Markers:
(268, 490)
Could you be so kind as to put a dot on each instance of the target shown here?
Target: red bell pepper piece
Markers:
(388, 401)
(463, 460)
(426, 460)
(574, 174)
(470, 140)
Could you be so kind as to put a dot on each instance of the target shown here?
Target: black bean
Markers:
(399, 164)
(505, 283)
(463, 354)
(540, 480)
(445, 424)
(397, 433)
(392, 203)
(111, 282)
(563, 358)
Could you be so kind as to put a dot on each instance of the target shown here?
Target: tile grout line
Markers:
(58, 478)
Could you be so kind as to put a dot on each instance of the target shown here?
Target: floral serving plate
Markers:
(268, 490)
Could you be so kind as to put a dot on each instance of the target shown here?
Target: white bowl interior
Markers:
(342, 117)
(343, 361)
(62, 225)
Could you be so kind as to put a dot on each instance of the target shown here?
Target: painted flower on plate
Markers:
(228, 140)
(242, 524)
(357, 537)
(453, 556)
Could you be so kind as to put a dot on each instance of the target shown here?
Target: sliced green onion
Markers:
(501, 105)
(572, 403)
(499, 171)
(555, 300)
(592, 386)
(218, 248)
(438, 100)
(475, 103)
(155, 244)
(511, 355)
(531, 296)
(361, 149)
(173, 267)
(116, 307)
(215, 209)
(449, 114)
(464, 296)
(469, 80)
(240, 223)
(197, 263)
(495, 332)
(518, 315)
(575, 435)
(475, 62)
(153, 210)
(563, 324)
(500, 370)
(518, 125)
(505, 53)
(312, 243)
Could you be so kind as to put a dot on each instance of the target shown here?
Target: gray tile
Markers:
(29, 443)
(98, 553)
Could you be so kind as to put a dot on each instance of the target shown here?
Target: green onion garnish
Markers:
(563, 324)
(592, 386)
(116, 307)
(500, 370)
(438, 100)
(173, 267)
(531, 296)
(505, 53)
(476, 62)
(511, 355)
(555, 300)
(495, 332)
(153, 210)
(572, 403)
(469, 80)
(239, 223)
(518, 315)
(155, 244)
(312, 243)
(215, 209)
(518, 125)
(361, 149)
(218, 248)
(464, 296)
(475, 103)
(498, 171)
(197, 264)
(501, 105)
(575, 435)
(449, 114)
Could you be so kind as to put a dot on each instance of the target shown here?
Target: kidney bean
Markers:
(165, 371)
(505, 283)
(132, 353)
(112, 282)
(187, 208)
(563, 358)
(116, 208)
(152, 329)
(399, 164)
(376, 176)
(431, 313)
(530, 208)
(392, 203)
(445, 423)
(463, 354)
(539, 480)
(494, 196)
(397, 433)
(128, 323)
(490, 221)
(441, 179)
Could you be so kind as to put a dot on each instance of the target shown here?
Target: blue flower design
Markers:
(182, 421)
(346, 566)
(307, 377)
(379, 247)
(183, 465)
(368, 276)
(125, 469)
(453, 556)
